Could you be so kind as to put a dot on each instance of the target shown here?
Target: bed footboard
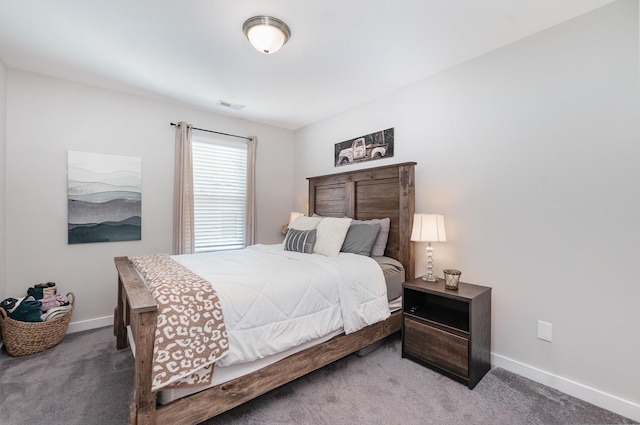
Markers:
(206, 404)
(137, 309)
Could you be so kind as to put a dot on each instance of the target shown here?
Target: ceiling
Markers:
(342, 52)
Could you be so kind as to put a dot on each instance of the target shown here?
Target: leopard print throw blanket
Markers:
(190, 334)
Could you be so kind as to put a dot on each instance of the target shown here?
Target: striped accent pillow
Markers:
(300, 240)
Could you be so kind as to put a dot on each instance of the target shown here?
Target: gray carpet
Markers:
(85, 381)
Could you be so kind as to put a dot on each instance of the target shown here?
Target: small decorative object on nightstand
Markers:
(451, 278)
(448, 331)
(428, 228)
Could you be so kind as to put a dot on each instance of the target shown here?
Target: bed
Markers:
(367, 194)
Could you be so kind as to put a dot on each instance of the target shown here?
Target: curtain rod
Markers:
(211, 131)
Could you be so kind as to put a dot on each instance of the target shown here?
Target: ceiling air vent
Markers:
(230, 105)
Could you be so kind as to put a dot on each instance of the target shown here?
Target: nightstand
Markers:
(446, 330)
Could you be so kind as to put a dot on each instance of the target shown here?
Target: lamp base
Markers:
(427, 279)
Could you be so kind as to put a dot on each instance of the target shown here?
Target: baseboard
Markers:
(86, 325)
(583, 392)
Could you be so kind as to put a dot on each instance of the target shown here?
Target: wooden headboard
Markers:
(380, 192)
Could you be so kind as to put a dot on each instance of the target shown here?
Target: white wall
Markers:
(531, 153)
(48, 117)
(3, 145)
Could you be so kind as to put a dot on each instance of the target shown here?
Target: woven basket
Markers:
(24, 338)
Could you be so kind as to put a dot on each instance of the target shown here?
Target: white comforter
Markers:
(274, 299)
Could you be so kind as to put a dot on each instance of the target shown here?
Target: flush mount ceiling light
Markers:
(267, 34)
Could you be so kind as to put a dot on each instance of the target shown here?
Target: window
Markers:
(219, 192)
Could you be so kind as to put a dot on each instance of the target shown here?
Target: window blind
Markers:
(219, 193)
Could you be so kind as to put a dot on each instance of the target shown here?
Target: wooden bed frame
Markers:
(387, 191)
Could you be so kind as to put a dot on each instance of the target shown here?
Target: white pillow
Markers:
(330, 236)
(305, 223)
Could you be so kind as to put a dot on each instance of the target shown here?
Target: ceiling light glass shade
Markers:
(266, 34)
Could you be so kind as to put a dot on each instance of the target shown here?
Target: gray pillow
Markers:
(383, 235)
(360, 238)
(300, 240)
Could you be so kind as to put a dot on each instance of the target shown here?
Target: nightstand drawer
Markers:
(436, 346)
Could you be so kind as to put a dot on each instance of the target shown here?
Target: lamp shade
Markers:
(266, 34)
(293, 216)
(428, 228)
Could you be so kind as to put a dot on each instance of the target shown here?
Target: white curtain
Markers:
(183, 222)
(250, 226)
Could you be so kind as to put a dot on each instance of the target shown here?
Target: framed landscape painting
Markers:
(104, 197)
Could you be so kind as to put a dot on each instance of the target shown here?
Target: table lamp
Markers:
(292, 218)
(428, 228)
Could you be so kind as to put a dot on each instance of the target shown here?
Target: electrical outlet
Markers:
(544, 330)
